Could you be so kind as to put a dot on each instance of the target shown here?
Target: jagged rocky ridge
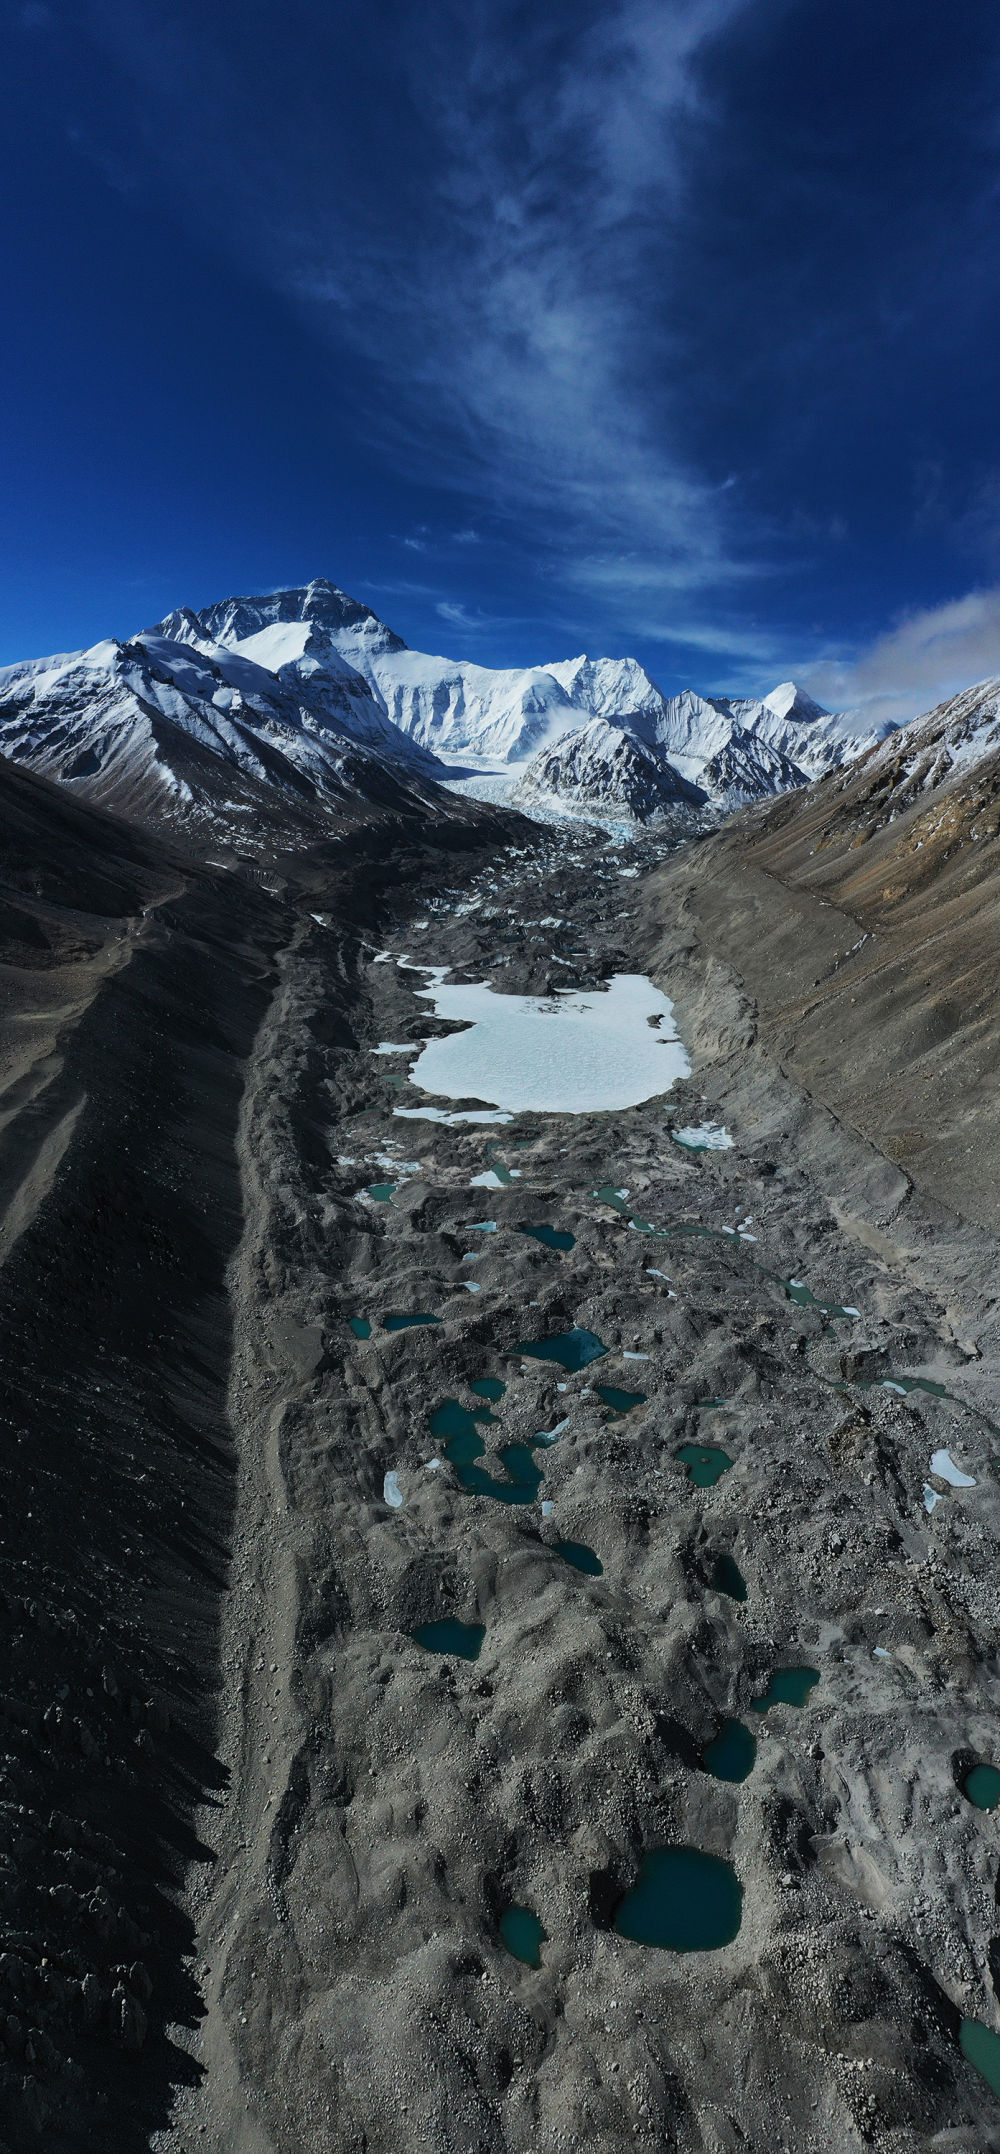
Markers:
(727, 751)
(604, 766)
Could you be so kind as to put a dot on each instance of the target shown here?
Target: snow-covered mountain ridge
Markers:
(160, 730)
(930, 756)
(455, 708)
(306, 692)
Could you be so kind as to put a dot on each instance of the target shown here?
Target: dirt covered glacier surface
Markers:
(444, 1732)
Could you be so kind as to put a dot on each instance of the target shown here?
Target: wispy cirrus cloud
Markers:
(495, 276)
(457, 615)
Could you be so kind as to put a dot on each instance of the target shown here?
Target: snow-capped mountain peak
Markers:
(305, 690)
(788, 700)
(285, 625)
(607, 687)
(316, 639)
(792, 723)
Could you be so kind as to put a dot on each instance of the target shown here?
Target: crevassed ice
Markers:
(704, 1137)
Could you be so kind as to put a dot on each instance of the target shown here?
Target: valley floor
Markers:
(387, 1804)
(316, 1824)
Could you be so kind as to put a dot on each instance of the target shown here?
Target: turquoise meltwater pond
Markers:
(682, 1901)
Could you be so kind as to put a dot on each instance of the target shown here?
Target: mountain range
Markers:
(304, 699)
(237, 1284)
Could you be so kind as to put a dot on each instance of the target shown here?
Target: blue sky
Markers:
(662, 326)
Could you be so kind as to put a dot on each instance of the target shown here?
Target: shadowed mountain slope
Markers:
(133, 984)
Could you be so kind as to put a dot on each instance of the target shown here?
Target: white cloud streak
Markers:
(919, 662)
(500, 303)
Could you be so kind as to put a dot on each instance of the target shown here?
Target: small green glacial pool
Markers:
(683, 1901)
(382, 1191)
(620, 1402)
(982, 2048)
(523, 1482)
(982, 1786)
(574, 1349)
(523, 1935)
(788, 1686)
(448, 1635)
(805, 1299)
(465, 1446)
(403, 1323)
(905, 1384)
(581, 1557)
(457, 1425)
(703, 1137)
(488, 1387)
(553, 1237)
(706, 1462)
(900, 1384)
(726, 1577)
(360, 1327)
(732, 1754)
(519, 1463)
(615, 1197)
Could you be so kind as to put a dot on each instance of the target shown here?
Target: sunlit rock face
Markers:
(605, 766)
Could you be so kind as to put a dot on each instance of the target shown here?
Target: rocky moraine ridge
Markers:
(500, 1601)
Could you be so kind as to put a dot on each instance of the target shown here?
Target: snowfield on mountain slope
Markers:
(160, 731)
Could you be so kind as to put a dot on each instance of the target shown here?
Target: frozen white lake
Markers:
(579, 1051)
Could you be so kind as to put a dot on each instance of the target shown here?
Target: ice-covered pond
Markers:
(578, 1051)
